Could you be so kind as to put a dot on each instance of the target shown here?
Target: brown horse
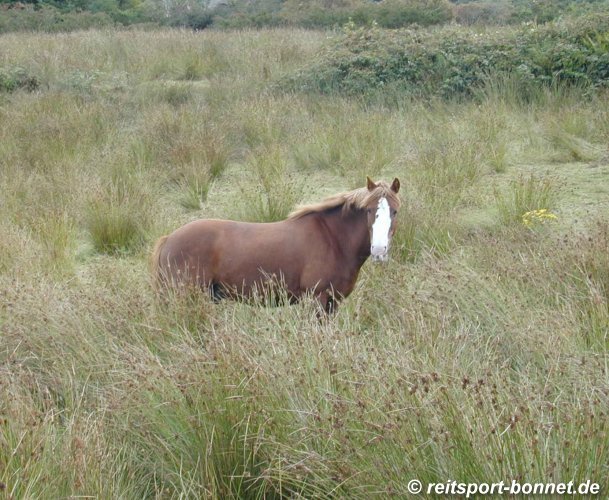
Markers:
(319, 248)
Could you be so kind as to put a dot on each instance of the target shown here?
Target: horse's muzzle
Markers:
(380, 258)
(379, 253)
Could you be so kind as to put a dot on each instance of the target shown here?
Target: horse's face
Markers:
(382, 217)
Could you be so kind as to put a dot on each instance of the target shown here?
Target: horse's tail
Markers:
(155, 262)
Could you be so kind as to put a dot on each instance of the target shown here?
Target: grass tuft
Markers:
(526, 194)
(271, 192)
(118, 220)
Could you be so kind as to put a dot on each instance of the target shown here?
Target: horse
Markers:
(319, 249)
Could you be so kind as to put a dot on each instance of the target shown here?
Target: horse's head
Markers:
(382, 216)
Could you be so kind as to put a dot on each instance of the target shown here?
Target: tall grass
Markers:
(478, 353)
(353, 145)
(271, 192)
(116, 223)
(526, 194)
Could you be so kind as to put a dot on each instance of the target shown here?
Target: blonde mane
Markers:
(358, 198)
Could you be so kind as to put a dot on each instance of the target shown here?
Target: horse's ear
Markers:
(395, 186)
(371, 184)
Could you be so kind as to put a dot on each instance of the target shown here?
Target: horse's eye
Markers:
(394, 213)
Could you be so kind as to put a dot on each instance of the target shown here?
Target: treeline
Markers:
(68, 15)
(399, 13)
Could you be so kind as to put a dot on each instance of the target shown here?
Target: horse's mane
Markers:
(358, 198)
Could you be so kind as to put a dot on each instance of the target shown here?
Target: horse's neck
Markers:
(350, 232)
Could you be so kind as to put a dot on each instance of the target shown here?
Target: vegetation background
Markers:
(69, 15)
(479, 353)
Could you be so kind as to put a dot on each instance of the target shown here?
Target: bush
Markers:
(250, 14)
(196, 19)
(543, 11)
(16, 78)
(483, 13)
(400, 13)
(453, 63)
(387, 14)
(51, 20)
(329, 13)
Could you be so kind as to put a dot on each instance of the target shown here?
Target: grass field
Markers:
(478, 353)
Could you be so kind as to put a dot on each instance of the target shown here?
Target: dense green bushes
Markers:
(397, 13)
(71, 15)
(452, 62)
(51, 20)
(518, 11)
(196, 19)
(329, 13)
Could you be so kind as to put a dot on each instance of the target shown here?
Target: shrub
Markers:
(250, 14)
(197, 19)
(49, 19)
(543, 11)
(15, 78)
(482, 13)
(452, 63)
(400, 13)
(387, 14)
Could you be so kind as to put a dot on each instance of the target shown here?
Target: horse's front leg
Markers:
(328, 304)
(217, 292)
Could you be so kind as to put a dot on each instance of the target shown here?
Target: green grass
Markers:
(478, 353)
(270, 193)
(526, 194)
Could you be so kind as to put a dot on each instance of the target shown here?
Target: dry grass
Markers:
(478, 353)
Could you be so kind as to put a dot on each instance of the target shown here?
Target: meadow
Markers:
(479, 353)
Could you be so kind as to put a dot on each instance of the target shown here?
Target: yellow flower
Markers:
(539, 216)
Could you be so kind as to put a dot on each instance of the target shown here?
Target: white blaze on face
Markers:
(380, 231)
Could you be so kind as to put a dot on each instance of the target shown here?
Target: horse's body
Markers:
(318, 249)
